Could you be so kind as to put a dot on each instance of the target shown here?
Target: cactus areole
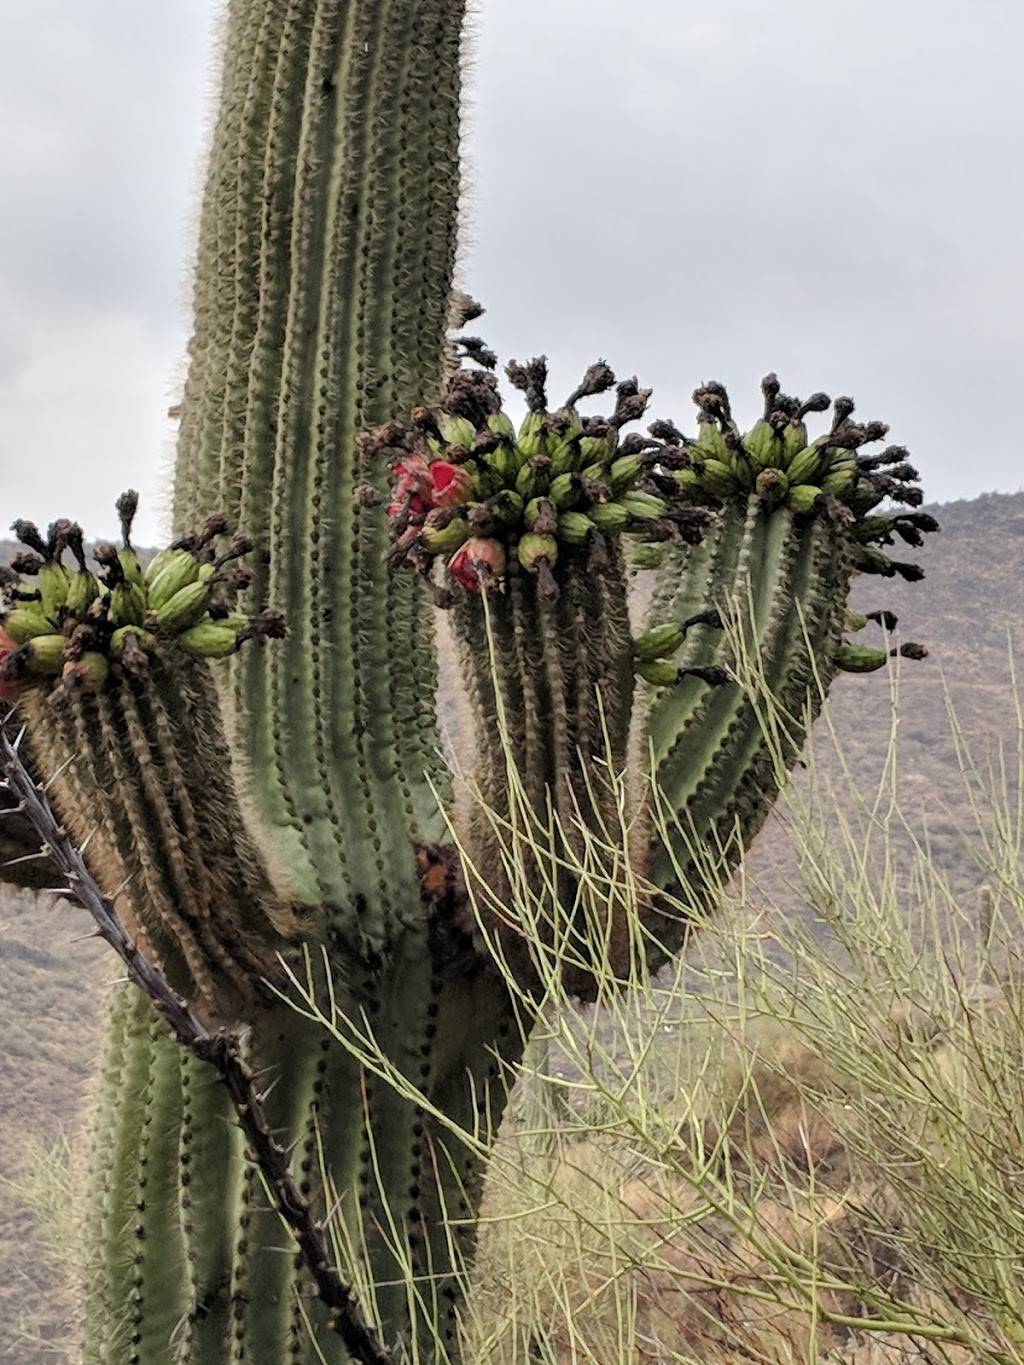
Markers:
(244, 733)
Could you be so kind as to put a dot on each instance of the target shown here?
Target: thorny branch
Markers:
(221, 1050)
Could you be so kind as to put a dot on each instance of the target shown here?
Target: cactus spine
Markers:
(295, 804)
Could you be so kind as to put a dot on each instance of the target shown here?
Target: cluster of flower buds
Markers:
(832, 475)
(778, 461)
(471, 492)
(76, 624)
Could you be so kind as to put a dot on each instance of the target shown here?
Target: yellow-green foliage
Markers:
(807, 1145)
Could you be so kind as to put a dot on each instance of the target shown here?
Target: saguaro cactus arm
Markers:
(797, 521)
(125, 724)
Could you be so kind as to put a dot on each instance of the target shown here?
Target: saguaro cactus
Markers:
(293, 796)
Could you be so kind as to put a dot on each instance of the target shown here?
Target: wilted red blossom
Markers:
(479, 562)
(413, 490)
(452, 484)
(7, 647)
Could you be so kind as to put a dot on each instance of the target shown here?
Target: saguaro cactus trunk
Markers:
(286, 810)
(322, 296)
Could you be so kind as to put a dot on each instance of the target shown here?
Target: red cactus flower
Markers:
(8, 690)
(452, 484)
(480, 562)
(413, 491)
(413, 466)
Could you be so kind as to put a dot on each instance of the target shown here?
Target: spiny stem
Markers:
(221, 1050)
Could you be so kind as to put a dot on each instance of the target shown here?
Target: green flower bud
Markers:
(870, 560)
(838, 482)
(566, 490)
(711, 442)
(535, 548)
(624, 473)
(659, 642)
(170, 571)
(718, 478)
(643, 506)
(508, 506)
(688, 480)
(772, 485)
(534, 478)
(131, 566)
(804, 466)
(575, 528)
(44, 655)
(647, 556)
(803, 498)
(445, 539)
(210, 640)
(540, 516)
(565, 458)
(597, 450)
(27, 620)
(873, 528)
(127, 604)
(504, 462)
(658, 672)
(184, 609)
(82, 592)
(458, 431)
(123, 634)
(501, 423)
(88, 673)
(763, 445)
(54, 584)
(609, 517)
(487, 479)
(159, 561)
(532, 435)
(794, 440)
(860, 659)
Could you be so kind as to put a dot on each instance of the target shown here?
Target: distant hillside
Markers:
(972, 598)
(967, 609)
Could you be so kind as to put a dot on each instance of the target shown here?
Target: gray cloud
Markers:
(834, 191)
(102, 108)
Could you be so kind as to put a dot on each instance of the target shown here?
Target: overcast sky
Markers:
(830, 188)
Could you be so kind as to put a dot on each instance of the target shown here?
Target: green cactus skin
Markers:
(326, 254)
(712, 761)
(564, 675)
(209, 1159)
(187, 1261)
(104, 1313)
(135, 1300)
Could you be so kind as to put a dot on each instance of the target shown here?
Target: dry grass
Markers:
(808, 1145)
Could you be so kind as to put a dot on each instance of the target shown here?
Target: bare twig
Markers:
(221, 1050)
